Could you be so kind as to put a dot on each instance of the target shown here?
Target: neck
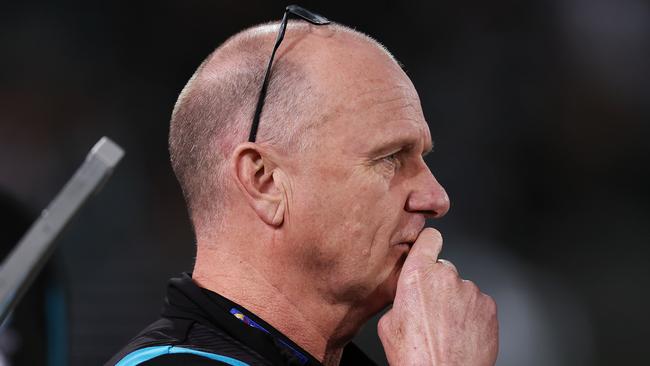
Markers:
(282, 300)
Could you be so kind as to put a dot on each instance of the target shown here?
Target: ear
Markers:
(257, 178)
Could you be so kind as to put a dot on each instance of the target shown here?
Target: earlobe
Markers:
(257, 179)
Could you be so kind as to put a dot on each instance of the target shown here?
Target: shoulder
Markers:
(179, 342)
(188, 360)
(169, 355)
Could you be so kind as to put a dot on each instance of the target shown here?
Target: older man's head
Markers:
(335, 188)
(214, 112)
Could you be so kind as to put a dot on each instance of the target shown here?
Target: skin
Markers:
(334, 226)
(459, 324)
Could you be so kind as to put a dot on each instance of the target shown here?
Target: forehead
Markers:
(368, 98)
(380, 111)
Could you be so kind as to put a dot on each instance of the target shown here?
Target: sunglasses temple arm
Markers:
(265, 84)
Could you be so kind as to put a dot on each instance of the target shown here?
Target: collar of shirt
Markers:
(185, 299)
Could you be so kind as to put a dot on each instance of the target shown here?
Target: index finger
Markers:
(426, 248)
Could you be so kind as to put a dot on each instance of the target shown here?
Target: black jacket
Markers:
(200, 327)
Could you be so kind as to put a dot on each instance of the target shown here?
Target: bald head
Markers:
(214, 112)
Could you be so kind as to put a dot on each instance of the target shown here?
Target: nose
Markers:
(428, 196)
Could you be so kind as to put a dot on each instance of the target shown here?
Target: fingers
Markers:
(426, 248)
(447, 263)
(458, 323)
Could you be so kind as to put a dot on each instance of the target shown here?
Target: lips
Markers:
(410, 232)
(406, 243)
(409, 239)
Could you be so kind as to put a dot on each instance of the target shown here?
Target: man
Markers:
(317, 222)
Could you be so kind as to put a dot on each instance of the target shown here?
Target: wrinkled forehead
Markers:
(374, 102)
(363, 92)
(390, 110)
(385, 115)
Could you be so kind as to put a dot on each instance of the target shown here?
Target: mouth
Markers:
(408, 235)
(405, 245)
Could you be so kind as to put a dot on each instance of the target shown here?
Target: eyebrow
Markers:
(401, 142)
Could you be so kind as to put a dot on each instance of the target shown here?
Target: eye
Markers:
(393, 159)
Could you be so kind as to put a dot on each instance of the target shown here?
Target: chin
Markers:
(384, 294)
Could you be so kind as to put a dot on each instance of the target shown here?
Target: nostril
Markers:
(431, 204)
(429, 214)
(445, 205)
(441, 209)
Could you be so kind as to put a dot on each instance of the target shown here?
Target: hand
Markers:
(438, 318)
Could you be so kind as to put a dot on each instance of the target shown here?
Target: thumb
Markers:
(425, 250)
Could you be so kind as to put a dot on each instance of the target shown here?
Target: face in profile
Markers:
(362, 193)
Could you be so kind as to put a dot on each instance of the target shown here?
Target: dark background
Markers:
(539, 111)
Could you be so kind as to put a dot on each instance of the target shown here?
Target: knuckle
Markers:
(471, 286)
(490, 304)
(447, 271)
(417, 277)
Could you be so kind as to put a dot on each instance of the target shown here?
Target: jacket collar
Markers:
(185, 299)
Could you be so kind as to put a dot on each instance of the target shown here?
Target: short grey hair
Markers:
(214, 113)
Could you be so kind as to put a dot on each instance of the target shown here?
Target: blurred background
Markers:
(540, 112)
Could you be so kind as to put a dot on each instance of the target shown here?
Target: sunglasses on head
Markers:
(302, 13)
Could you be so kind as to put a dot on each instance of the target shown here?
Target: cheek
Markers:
(350, 214)
(353, 219)
(346, 234)
(361, 217)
